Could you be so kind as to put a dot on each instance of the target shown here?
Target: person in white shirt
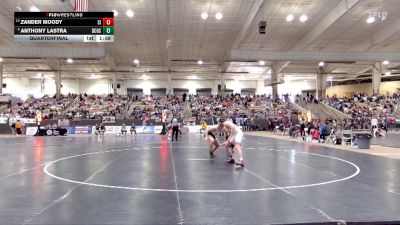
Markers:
(235, 139)
(123, 129)
(374, 125)
(175, 129)
(374, 122)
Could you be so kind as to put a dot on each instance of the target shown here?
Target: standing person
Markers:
(385, 124)
(397, 124)
(11, 122)
(102, 129)
(18, 127)
(334, 125)
(133, 128)
(203, 127)
(374, 125)
(235, 138)
(184, 97)
(97, 130)
(302, 127)
(175, 129)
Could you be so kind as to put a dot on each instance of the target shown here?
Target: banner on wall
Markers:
(157, 129)
(108, 119)
(31, 131)
(83, 130)
(145, 129)
(3, 120)
(113, 129)
(117, 130)
(71, 130)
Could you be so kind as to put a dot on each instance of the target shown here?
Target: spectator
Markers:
(18, 127)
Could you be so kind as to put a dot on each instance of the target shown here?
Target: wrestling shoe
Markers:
(240, 163)
(212, 155)
(232, 161)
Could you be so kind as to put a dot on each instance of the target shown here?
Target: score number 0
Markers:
(108, 22)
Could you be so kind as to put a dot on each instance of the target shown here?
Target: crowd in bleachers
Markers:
(96, 107)
(362, 105)
(374, 113)
(48, 106)
(259, 112)
(243, 110)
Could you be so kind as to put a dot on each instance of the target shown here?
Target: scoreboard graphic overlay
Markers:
(64, 26)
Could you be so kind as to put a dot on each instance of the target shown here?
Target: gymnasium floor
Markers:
(149, 180)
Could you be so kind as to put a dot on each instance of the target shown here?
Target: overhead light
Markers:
(385, 62)
(218, 16)
(329, 78)
(303, 18)
(388, 73)
(130, 13)
(261, 63)
(34, 9)
(69, 60)
(204, 15)
(144, 77)
(39, 75)
(321, 64)
(200, 62)
(289, 18)
(371, 19)
(1, 59)
(115, 12)
(136, 61)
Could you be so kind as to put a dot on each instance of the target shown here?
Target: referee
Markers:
(175, 128)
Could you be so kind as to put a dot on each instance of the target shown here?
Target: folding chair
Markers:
(347, 137)
(332, 136)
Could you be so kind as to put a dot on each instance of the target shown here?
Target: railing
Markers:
(303, 109)
(127, 108)
(339, 114)
(324, 111)
(396, 109)
(187, 113)
(3, 108)
(70, 105)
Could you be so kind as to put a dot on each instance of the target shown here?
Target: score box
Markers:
(108, 30)
(108, 22)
